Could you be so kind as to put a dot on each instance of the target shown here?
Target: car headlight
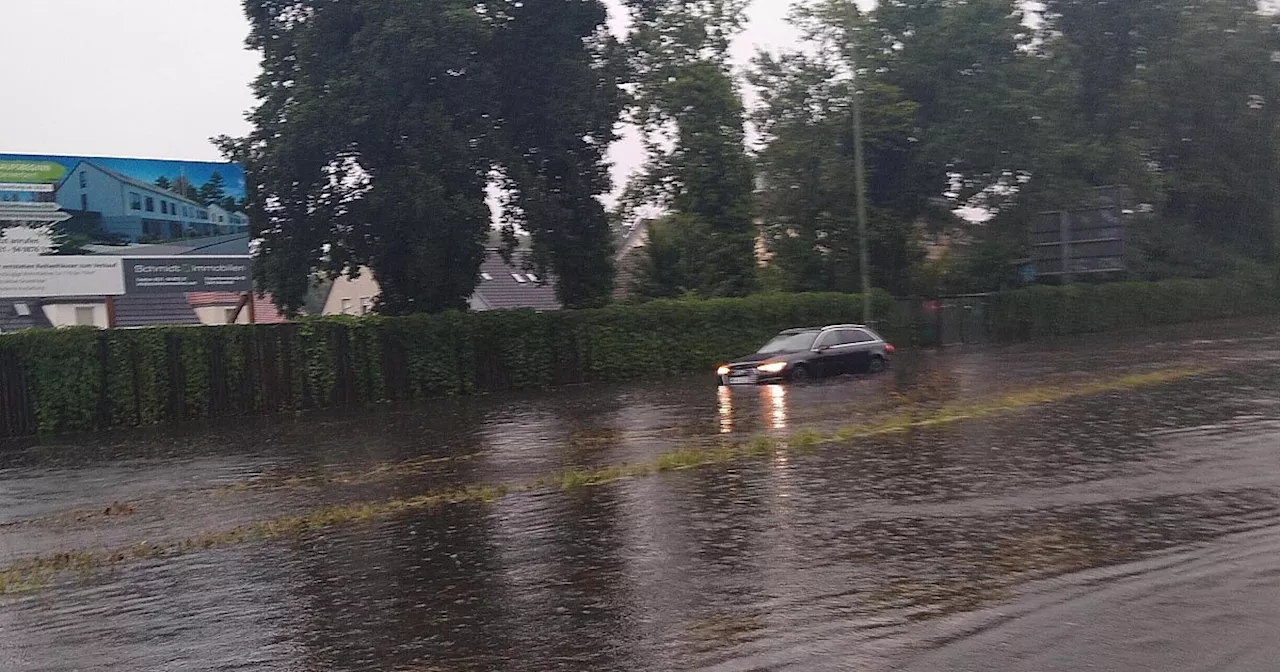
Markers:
(776, 367)
(722, 371)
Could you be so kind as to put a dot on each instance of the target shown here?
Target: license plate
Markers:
(741, 380)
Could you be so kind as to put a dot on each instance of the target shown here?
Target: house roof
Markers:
(264, 307)
(505, 292)
(136, 183)
(11, 320)
(151, 310)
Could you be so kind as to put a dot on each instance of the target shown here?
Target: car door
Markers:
(858, 350)
(827, 355)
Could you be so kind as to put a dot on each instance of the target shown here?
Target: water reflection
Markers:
(774, 398)
(724, 407)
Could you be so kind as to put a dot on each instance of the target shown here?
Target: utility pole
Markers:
(860, 175)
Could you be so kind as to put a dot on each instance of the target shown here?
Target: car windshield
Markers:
(790, 343)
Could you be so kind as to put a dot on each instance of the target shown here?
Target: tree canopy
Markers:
(385, 125)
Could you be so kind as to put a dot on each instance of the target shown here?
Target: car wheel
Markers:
(877, 364)
(799, 375)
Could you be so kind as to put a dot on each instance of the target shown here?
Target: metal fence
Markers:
(948, 321)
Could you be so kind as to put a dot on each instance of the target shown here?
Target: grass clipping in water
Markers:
(35, 573)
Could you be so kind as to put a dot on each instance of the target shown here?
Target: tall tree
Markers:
(807, 190)
(559, 100)
(692, 114)
(370, 147)
(968, 66)
(164, 183)
(1176, 100)
(383, 122)
(213, 191)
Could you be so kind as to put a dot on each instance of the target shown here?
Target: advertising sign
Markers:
(36, 276)
(15, 170)
(116, 200)
(1087, 239)
(162, 275)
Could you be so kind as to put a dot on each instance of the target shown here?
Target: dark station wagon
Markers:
(797, 355)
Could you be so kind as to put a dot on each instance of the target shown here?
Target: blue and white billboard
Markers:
(110, 199)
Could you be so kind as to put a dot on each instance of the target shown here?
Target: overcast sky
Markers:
(158, 78)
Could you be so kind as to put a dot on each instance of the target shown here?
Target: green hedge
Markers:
(83, 379)
(1046, 312)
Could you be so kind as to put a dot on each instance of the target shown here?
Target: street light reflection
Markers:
(775, 398)
(724, 406)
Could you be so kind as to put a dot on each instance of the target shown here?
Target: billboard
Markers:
(1087, 239)
(114, 200)
(69, 226)
(28, 268)
(159, 275)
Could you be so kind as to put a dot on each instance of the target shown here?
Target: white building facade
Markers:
(131, 208)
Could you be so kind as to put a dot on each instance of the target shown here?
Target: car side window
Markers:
(858, 336)
(827, 340)
(844, 337)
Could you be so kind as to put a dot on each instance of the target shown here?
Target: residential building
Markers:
(502, 286)
(21, 314)
(213, 308)
(131, 208)
(224, 221)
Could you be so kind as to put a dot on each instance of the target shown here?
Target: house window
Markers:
(22, 309)
(486, 276)
(135, 201)
(518, 278)
(346, 307)
(84, 201)
(532, 277)
(151, 204)
(84, 180)
(366, 305)
(84, 316)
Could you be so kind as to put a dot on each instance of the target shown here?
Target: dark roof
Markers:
(504, 292)
(10, 320)
(151, 310)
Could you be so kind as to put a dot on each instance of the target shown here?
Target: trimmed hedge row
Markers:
(1046, 312)
(82, 379)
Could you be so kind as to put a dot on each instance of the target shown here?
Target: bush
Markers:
(80, 379)
(1045, 312)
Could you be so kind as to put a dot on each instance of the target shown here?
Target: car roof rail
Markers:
(845, 326)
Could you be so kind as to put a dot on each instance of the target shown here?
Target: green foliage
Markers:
(692, 116)
(382, 123)
(560, 100)
(1045, 312)
(82, 379)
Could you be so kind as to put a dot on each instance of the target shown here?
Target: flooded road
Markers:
(1110, 503)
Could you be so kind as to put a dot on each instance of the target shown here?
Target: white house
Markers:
(224, 221)
(130, 207)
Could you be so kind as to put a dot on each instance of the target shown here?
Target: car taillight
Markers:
(889, 349)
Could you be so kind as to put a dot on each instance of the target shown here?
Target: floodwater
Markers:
(1123, 529)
